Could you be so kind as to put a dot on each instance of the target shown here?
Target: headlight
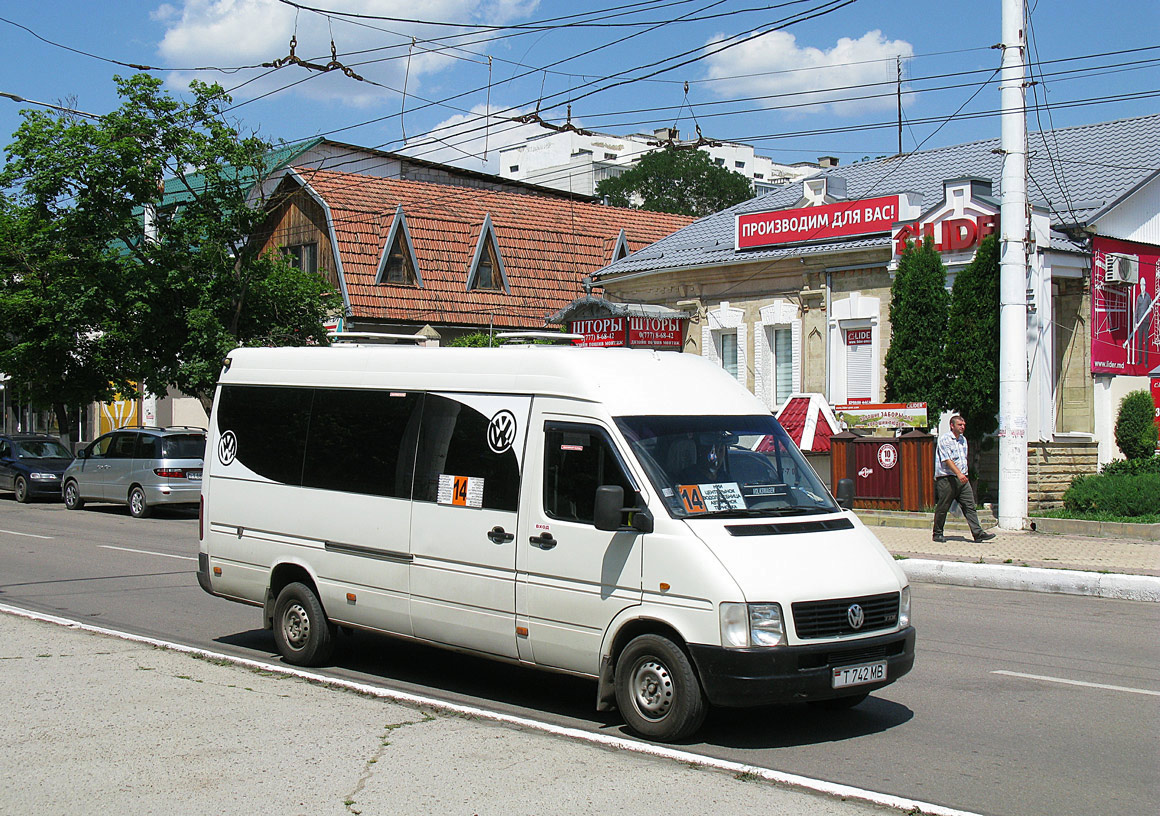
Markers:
(904, 608)
(42, 477)
(745, 625)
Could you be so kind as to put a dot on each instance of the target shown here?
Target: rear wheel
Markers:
(138, 507)
(72, 496)
(303, 634)
(20, 488)
(657, 691)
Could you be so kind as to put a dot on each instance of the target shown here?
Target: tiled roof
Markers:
(802, 413)
(547, 245)
(1075, 173)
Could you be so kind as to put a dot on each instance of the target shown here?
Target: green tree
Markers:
(169, 305)
(915, 367)
(972, 345)
(1136, 433)
(685, 182)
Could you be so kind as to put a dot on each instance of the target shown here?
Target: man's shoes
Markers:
(940, 539)
(984, 536)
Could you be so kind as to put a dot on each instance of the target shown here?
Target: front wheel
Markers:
(303, 634)
(657, 691)
(138, 507)
(20, 488)
(72, 496)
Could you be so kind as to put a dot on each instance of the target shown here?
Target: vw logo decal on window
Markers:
(501, 431)
(856, 616)
(227, 448)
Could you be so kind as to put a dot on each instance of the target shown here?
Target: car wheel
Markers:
(20, 488)
(72, 496)
(303, 634)
(839, 703)
(657, 691)
(138, 507)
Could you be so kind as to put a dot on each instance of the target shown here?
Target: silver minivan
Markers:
(141, 467)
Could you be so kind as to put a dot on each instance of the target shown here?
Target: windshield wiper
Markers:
(750, 512)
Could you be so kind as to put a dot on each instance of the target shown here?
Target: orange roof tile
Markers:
(547, 245)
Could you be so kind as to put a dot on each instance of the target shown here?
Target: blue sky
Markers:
(813, 87)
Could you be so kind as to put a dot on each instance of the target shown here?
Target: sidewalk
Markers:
(95, 724)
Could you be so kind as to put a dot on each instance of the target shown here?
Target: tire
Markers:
(657, 691)
(138, 507)
(20, 488)
(303, 634)
(840, 703)
(72, 496)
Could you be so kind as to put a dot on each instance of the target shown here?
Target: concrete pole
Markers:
(1013, 274)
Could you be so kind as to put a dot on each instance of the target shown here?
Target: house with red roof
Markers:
(411, 256)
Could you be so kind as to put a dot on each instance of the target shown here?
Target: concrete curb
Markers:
(1034, 579)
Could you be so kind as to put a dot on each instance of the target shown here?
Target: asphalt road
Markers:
(1019, 703)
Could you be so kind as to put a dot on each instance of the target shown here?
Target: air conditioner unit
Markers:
(1123, 270)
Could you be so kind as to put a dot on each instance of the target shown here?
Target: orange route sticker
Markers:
(692, 499)
(460, 491)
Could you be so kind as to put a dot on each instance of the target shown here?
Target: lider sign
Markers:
(822, 223)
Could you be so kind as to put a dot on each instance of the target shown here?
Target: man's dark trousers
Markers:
(946, 490)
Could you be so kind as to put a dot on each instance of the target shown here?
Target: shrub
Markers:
(1131, 466)
(1116, 494)
(1136, 426)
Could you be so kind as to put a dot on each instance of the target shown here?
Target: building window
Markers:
(399, 268)
(610, 155)
(719, 162)
(729, 352)
(782, 363)
(303, 256)
(398, 264)
(739, 164)
(777, 362)
(486, 271)
(515, 168)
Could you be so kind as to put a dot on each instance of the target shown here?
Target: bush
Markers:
(1136, 426)
(1117, 494)
(1131, 466)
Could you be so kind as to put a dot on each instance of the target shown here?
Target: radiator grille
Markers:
(821, 619)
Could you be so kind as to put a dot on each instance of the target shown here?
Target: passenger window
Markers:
(148, 447)
(363, 442)
(100, 448)
(270, 425)
(577, 460)
(453, 442)
(123, 445)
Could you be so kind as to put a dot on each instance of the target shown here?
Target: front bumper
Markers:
(750, 677)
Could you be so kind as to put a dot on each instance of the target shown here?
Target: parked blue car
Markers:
(31, 465)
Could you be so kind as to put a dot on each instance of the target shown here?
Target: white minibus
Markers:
(632, 516)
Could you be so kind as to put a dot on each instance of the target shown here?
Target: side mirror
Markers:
(83, 453)
(609, 512)
(845, 494)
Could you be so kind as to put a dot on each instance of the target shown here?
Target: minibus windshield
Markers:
(725, 466)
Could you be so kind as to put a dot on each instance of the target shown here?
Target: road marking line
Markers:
(1078, 683)
(146, 552)
(818, 785)
(27, 535)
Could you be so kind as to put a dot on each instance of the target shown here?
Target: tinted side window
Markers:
(577, 460)
(123, 445)
(101, 446)
(270, 424)
(453, 442)
(183, 446)
(148, 446)
(363, 442)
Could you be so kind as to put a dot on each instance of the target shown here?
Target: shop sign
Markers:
(859, 337)
(824, 222)
(599, 332)
(1156, 396)
(1125, 307)
(949, 235)
(881, 415)
(656, 332)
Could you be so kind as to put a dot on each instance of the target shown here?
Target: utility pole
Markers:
(899, 64)
(1013, 273)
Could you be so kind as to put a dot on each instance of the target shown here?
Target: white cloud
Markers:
(833, 80)
(473, 140)
(232, 33)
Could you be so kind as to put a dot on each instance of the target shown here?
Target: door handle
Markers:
(544, 541)
(501, 536)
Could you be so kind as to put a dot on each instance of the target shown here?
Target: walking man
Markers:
(950, 481)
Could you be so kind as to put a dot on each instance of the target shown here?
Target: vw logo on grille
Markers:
(227, 448)
(501, 433)
(856, 616)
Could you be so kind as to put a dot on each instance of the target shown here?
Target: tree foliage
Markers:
(915, 361)
(685, 182)
(92, 305)
(1136, 432)
(972, 345)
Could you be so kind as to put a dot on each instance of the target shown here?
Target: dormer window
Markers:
(398, 266)
(486, 271)
(620, 250)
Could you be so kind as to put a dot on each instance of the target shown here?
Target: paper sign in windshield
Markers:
(711, 498)
(460, 491)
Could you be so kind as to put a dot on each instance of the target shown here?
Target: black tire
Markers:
(657, 691)
(303, 634)
(138, 507)
(840, 703)
(72, 496)
(20, 488)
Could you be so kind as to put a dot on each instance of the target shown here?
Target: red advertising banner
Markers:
(1125, 322)
(821, 223)
(599, 332)
(656, 332)
(1156, 397)
(859, 337)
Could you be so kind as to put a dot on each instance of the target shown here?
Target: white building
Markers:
(577, 161)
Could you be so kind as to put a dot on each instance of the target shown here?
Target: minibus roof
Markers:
(628, 382)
